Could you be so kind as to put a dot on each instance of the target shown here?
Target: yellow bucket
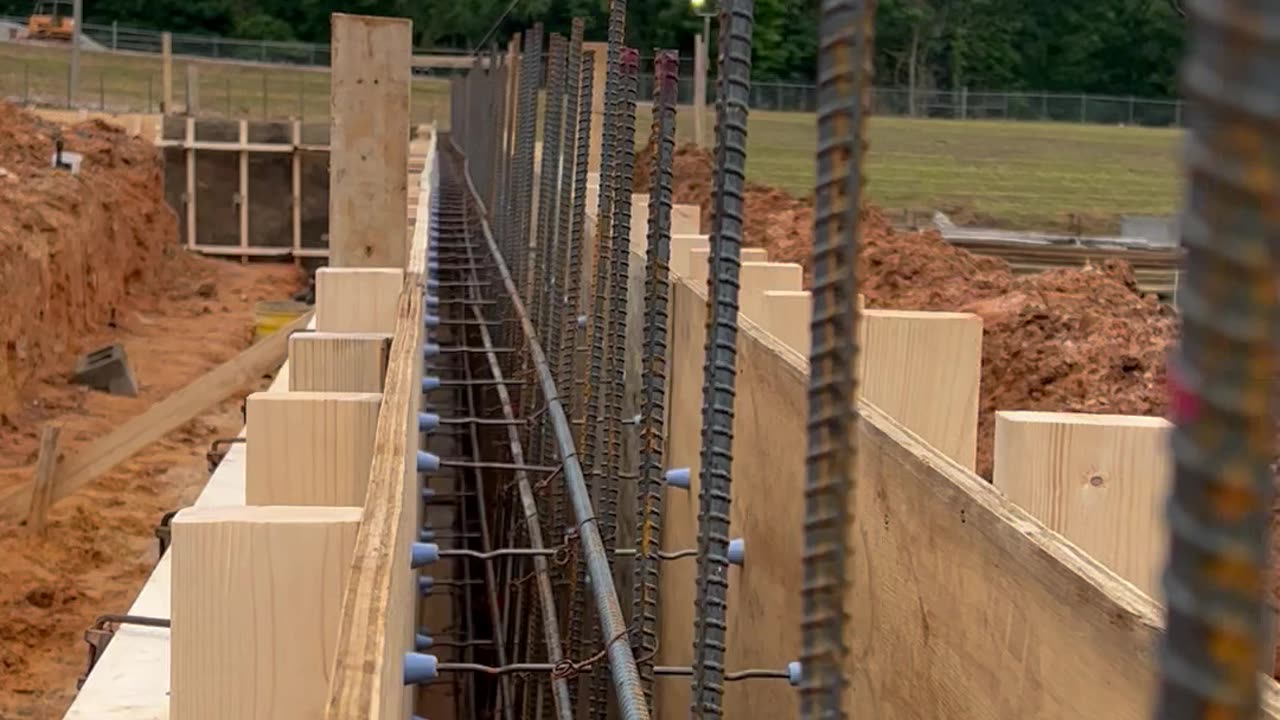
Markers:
(268, 317)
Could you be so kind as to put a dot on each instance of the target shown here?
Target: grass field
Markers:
(131, 83)
(1010, 174)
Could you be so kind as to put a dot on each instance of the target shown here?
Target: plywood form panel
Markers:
(965, 607)
(1099, 480)
(359, 300)
(756, 278)
(307, 448)
(256, 594)
(338, 362)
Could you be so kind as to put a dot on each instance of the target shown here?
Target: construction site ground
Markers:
(94, 259)
(87, 261)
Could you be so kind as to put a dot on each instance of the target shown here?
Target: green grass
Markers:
(1008, 174)
(131, 83)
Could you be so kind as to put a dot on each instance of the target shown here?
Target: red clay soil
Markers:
(1066, 340)
(87, 261)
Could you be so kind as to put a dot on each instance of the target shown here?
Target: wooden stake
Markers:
(758, 277)
(256, 597)
(43, 482)
(296, 175)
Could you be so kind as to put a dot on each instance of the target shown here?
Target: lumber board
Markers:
(964, 606)
(256, 593)
(358, 300)
(165, 416)
(787, 316)
(338, 362)
(309, 448)
(1100, 481)
(376, 626)
(369, 140)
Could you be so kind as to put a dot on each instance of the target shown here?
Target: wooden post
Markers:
(787, 315)
(190, 142)
(338, 362)
(369, 141)
(296, 183)
(357, 299)
(256, 598)
(309, 448)
(699, 90)
(601, 71)
(244, 188)
(42, 492)
(1098, 480)
(166, 73)
(193, 89)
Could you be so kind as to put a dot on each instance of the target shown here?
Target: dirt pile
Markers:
(72, 247)
(1066, 340)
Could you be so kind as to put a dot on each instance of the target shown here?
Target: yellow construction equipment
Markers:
(51, 20)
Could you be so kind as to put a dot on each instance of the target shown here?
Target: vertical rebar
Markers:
(662, 138)
(844, 85)
(572, 333)
(733, 93)
(548, 194)
(1223, 375)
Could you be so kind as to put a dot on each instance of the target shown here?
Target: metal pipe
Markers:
(622, 663)
(1222, 376)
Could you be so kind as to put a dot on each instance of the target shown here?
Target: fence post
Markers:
(1130, 109)
(102, 90)
(228, 93)
(115, 29)
(264, 94)
(964, 103)
(1084, 104)
(262, 51)
(1177, 113)
(1044, 106)
(26, 82)
(302, 95)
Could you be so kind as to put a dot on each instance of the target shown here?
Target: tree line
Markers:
(1120, 47)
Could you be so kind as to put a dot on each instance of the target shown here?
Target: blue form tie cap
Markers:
(423, 554)
(419, 668)
(426, 535)
(428, 494)
(422, 641)
(427, 421)
(427, 462)
(426, 584)
(430, 383)
(430, 350)
(737, 551)
(679, 478)
(795, 673)
(431, 321)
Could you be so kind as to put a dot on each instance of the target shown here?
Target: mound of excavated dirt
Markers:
(1066, 340)
(71, 246)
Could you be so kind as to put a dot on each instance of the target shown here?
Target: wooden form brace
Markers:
(358, 300)
(338, 362)
(256, 594)
(309, 448)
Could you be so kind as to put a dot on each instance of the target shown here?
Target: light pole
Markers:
(701, 67)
